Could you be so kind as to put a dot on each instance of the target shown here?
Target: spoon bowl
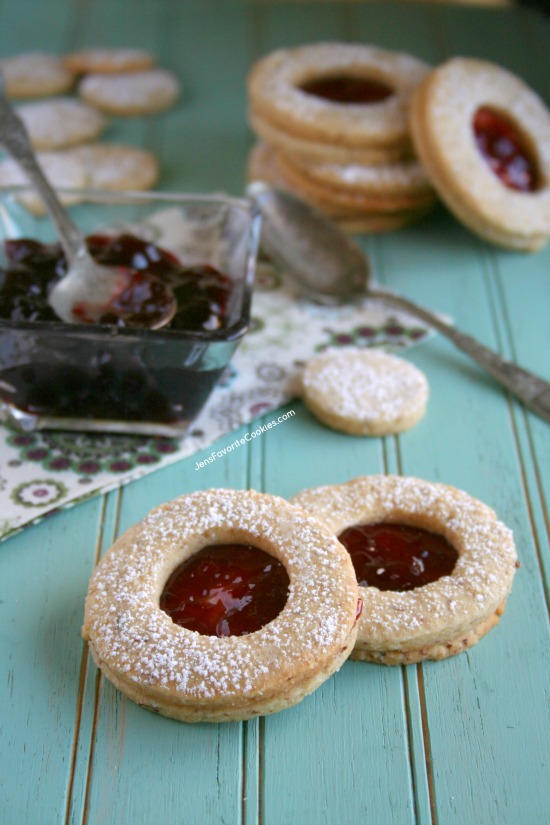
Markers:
(330, 267)
(89, 291)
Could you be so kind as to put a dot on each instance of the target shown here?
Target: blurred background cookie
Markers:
(62, 171)
(35, 74)
(60, 122)
(96, 60)
(130, 93)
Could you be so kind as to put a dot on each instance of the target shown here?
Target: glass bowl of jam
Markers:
(117, 375)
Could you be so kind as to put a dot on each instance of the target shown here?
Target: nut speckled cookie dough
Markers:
(193, 677)
(443, 113)
(445, 616)
(364, 392)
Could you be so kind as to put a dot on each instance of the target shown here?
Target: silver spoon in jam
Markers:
(89, 292)
(329, 267)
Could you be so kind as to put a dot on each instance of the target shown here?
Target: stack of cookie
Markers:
(332, 126)
(64, 129)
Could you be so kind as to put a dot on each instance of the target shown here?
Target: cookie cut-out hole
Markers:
(506, 150)
(346, 89)
(397, 556)
(226, 590)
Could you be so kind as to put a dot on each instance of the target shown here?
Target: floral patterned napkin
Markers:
(43, 471)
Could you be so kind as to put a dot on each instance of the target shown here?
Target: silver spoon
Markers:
(330, 267)
(89, 290)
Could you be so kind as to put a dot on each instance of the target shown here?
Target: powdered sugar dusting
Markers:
(152, 89)
(453, 604)
(133, 636)
(364, 385)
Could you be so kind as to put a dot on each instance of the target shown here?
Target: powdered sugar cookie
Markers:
(364, 391)
(353, 214)
(435, 566)
(99, 61)
(311, 150)
(116, 167)
(334, 186)
(222, 605)
(402, 179)
(35, 74)
(60, 122)
(346, 94)
(131, 93)
(483, 137)
(62, 172)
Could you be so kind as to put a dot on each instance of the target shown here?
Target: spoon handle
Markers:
(529, 388)
(16, 141)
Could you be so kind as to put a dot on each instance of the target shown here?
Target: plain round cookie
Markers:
(442, 112)
(276, 94)
(404, 179)
(446, 616)
(98, 61)
(60, 122)
(61, 171)
(364, 391)
(116, 167)
(35, 74)
(195, 678)
(131, 93)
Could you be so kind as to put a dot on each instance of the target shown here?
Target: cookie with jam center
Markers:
(483, 137)
(435, 565)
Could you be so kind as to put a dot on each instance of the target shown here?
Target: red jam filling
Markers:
(396, 556)
(202, 292)
(226, 590)
(347, 89)
(505, 151)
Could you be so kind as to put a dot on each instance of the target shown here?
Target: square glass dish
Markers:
(103, 377)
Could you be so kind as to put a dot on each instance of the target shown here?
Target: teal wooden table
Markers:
(460, 742)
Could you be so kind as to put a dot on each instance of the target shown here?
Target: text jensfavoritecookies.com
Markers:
(240, 442)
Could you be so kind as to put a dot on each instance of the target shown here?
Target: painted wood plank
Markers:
(196, 769)
(45, 571)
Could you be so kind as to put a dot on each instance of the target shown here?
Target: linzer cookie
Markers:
(222, 605)
(364, 392)
(332, 123)
(434, 565)
(342, 94)
(483, 137)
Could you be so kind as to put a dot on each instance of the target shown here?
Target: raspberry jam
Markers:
(202, 292)
(347, 89)
(166, 380)
(505, 150)
(396, 556)
(226, 590)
